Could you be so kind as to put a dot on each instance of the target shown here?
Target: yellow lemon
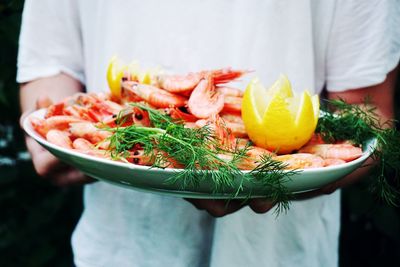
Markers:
(138, 74)
(115, 72)
(148, 76)
(276, 119)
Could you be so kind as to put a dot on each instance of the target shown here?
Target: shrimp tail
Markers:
(226, 75)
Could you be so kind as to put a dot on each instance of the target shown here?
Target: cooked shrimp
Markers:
(88, 131)
(229, 91)
(235, 123)
(59, 108)
(139, 157)
(90, 107)
(54, 110)
(226, 75)
(39, 126)
(231, 117)
(253, 159)
(59, 138)
(178, 114)
(242, 142)
(346, 152)
(301, 161)
(84, 146)
(332, 162)
(128, 116)
(237, 128)
(179, 83)
(155, 96)
(222, 133)
(77, 112)
(62, 122)
(254, 155)
(140, 117)
(204, 102)
(124, 118)
(102, 110)
(128, 96)
(191, 125)
(316, 138)
(112, 107)
(184, 83)
(232, 104)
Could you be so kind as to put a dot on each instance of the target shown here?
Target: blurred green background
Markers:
(37, 219)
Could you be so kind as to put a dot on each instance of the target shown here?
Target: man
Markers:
(65, 46)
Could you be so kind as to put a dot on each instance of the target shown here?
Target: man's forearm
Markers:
(381, 95)
(55, 88)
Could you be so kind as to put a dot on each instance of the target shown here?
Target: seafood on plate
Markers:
(187, 82)
(177, 104)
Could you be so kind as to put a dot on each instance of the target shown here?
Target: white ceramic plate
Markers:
(154, 179)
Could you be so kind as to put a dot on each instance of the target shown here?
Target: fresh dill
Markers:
(198, 153)
(358, 124)
(271, 175)
(347, 122)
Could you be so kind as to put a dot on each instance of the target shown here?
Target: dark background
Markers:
(36, 219)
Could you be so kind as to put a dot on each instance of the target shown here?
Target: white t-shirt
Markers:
(338, 44)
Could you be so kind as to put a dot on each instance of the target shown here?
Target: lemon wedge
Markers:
(115, 72)
(276, 119)
(148, 76)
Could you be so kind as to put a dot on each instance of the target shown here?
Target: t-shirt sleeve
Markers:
(364, 43)
(50, 40)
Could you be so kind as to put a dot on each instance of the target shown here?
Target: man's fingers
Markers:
(70, 176)
(233, 205)
(329, 189)
(48, 166)
(261, 205)
(219, 208)
(216, 208)
(326, 190)
(213, 207)
(43, 161)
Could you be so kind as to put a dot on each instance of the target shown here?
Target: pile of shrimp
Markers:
(195, 99)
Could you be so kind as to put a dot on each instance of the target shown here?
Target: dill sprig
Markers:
(271, 175)
(198, 152)
(348, 122)
(359, 124)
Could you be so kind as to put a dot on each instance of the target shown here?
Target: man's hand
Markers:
(382, 96)
(219, 208)
(56, 87)
(341, 183)
(48, 166)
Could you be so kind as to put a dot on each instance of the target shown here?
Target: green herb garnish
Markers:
(198, 152)
(358, 124)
